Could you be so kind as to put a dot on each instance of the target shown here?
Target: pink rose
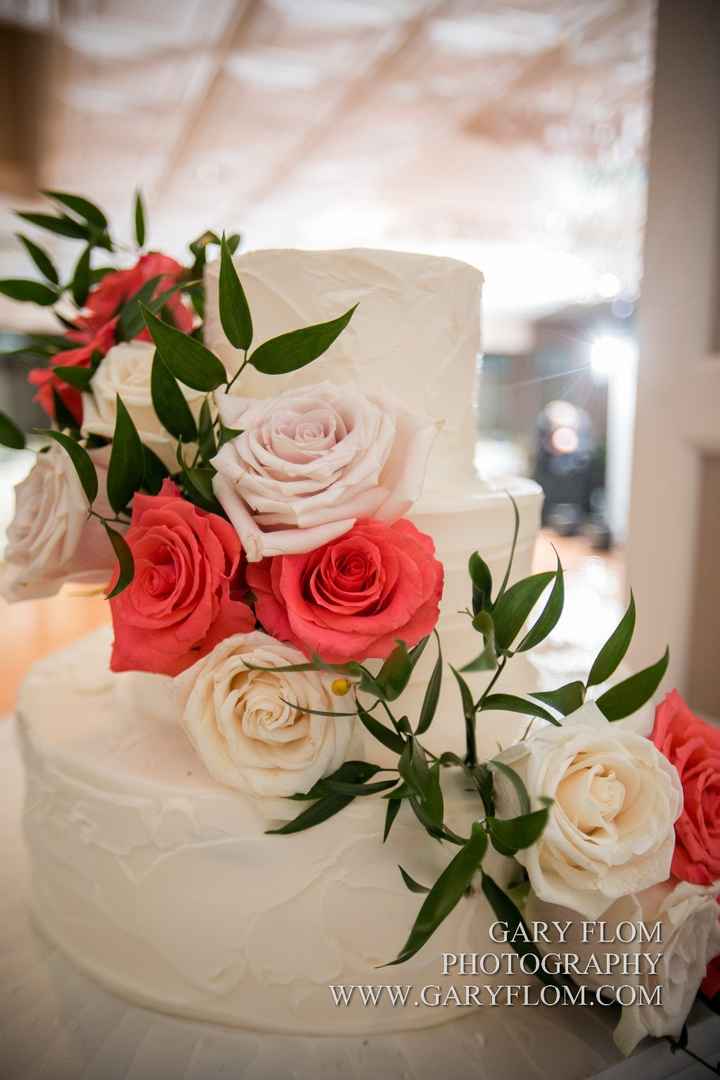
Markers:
(356, 596)
(312, 460)
(51, 539)
(185, 596)
(693, 747)
(45, 379)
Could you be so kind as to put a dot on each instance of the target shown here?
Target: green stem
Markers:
(470, 724)
(117, 520)
(237, 373)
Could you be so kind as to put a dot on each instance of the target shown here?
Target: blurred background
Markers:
(517, 136)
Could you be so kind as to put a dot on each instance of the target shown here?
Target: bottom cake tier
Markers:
(163, 885)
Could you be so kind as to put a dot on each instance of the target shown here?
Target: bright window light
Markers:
(609, 354)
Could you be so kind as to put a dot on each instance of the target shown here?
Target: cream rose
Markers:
(243, 730)
(312, 460)
(126, 370)
(51, 539)
(616, 798)
(690, 938)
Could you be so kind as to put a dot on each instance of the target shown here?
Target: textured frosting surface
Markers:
(415, 334)
(163, 885)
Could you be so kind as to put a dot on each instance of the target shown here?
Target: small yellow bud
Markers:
(340, 687)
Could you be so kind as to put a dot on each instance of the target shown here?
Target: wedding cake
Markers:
(158, 879)
(312, 746)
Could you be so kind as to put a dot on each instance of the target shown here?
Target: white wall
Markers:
(678, 398)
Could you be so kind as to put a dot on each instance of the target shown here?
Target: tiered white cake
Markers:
(160, 881)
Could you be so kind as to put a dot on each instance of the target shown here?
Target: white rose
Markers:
(690, 939)
(616, 798)
(126, 370)
(51, 539)
(312, 460)
(243, 731)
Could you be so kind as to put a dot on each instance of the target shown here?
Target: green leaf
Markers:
(550, 615)
(80, 206)
(63, 417)
(130, 319)
(514, 834)
(320, 811)
(170, 404)
(206, 432)
(10, 433)
(294, 350)
(469, 711)
(411, 883)
(186, 357)
(350, 772)
(28, 291)
(487, 659)
(41, 259)
(614, 649)
(80, 458)
(127, 460)
(227, 433)
(481, 578)
(432, 694)
(379, 731)
(483, 780)
(154, 473)
(62, 226)
(511, 703)
(508, 913)
(139, 219)
(81, 278)
(445, 894)
(631, 694)
(517, 782)
(394, 674)
(513, 607)
(393, 809)
(125, 560)
(201, 480)
(516, 529)
(234, 311)
(77, 377)
(343, 787)
(566, 699)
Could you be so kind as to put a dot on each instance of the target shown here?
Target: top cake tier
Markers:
(415, 334)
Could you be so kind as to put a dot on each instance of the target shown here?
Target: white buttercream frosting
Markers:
(163, 884)
(415, 333)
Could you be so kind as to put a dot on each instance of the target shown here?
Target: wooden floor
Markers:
(33, 629)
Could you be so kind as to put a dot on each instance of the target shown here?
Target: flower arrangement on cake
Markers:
(257, 550)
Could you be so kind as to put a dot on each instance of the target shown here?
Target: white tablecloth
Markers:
(56, 1024)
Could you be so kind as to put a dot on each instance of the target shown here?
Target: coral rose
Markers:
(116, 288)
(693, 747)
(354, 597)
(45, 379)
(186, 593)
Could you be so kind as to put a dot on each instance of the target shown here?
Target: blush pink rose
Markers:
(186, 594)
(354, 597)
(693, 747)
